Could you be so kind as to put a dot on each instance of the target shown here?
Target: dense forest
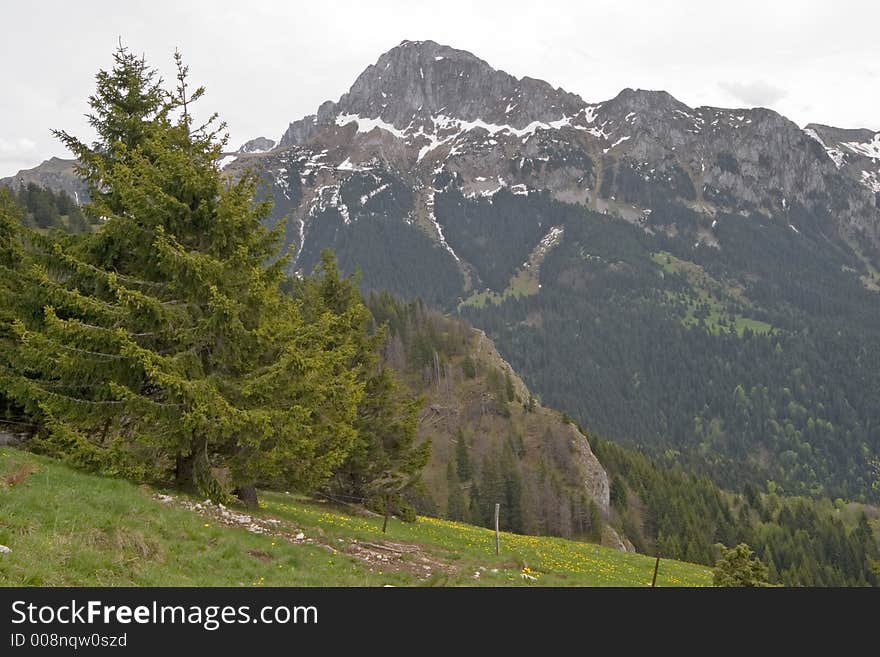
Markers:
(45, 209)
(661, 510)
(803, 542)
(659, 344)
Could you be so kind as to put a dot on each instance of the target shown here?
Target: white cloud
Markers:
(16, 148)
(757, 92)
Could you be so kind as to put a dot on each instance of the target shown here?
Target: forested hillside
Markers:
(45, 209)
(804, 542)
(491, 441)
(752, 362)
(486, 451)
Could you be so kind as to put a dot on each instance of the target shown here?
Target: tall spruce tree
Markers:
(10, 275)
(385, 460)
(163, 343)
(462, 457)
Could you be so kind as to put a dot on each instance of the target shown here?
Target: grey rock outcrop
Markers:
(258, 145)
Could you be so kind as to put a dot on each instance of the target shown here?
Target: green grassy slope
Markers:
(69, 528)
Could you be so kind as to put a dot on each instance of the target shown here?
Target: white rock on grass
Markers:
(5, 550)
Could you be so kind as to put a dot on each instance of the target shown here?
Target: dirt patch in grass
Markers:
(265, 557)
(390, 556)
(379, 555)
(21, 473)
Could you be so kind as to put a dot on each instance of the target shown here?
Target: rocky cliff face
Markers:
(425, 113)
(591, 475)
(556, 469)
(856, 153)
(258, 145)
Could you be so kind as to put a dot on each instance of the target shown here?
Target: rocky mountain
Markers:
(258, 145)
(424, 112)
(855, 152)
(56, 174)
(426, 118)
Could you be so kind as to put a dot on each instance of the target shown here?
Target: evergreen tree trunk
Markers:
(184, 471)
(248, 496)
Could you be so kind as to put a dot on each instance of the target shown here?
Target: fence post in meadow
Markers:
(387, 512)
(656, 568)
(497, 535)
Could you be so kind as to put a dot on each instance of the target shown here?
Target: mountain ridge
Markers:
(431, 96)
(425, 109)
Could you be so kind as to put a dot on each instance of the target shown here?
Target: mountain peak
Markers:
(831, 134)
(646, 100)
(417, 80)
(258, 145)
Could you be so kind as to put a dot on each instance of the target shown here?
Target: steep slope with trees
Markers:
(801, 541)
(492, 441)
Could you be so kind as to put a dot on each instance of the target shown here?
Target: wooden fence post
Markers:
(497, 535)
(656, 568)
(387, 512)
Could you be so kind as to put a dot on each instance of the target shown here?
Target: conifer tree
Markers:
(595, 522)
(163, 342)
(385, 460)
(10, 278)
(739, 567)
(462, 457)
(456, 508)
(513, 491)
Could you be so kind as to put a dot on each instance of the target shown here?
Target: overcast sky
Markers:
(268, 63)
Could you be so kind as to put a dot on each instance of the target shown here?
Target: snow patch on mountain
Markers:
(328, 196)
(368, 125)
(366, 197)
(225, 161)
(834, 153)
(429, 204)
(551, 239)
(440, 129)
(868, 149)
